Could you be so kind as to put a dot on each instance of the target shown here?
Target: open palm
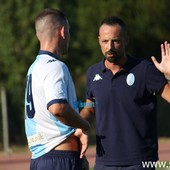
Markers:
(164, 65)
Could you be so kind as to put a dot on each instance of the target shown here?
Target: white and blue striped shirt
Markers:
(48, 82)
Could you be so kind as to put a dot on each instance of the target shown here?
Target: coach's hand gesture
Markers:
(164, 65)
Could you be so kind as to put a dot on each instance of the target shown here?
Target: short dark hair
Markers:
(59, 16)
(113, 20)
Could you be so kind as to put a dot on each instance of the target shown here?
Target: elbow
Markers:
(57, 109)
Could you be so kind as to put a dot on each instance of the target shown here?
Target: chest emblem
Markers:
(130, 80)
(97, 77)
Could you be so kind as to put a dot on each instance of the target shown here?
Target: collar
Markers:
(131, 62)
(127, 66)
(48, 53)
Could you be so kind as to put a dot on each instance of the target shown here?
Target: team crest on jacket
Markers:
(130, 80)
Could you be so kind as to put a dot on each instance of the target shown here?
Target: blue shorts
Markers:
(57, 160)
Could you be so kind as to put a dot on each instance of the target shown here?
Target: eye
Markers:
(117, 41)
(104, 41)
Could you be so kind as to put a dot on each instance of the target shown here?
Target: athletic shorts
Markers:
(57, 160)
(132, 167)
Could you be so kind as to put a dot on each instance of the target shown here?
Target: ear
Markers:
(62, 32)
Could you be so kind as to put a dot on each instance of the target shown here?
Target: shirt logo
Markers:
(130, 80)
(97, 77)
(37, 139)
(50, 61)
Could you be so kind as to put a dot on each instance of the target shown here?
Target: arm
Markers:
(88, 112)
(164, 67)
(68, 116)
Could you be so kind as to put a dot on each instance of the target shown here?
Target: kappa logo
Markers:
(97, 77)
(50, 61)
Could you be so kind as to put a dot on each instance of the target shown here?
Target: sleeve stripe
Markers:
(56, 101)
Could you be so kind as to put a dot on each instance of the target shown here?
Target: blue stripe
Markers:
(56, 101)
(37, 151)
(64, 129)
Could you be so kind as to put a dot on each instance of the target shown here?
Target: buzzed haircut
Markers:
(114, 20)
(58, 15)
(48, 21)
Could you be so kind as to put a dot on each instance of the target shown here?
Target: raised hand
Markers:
(164, 65)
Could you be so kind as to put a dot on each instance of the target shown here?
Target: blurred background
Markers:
(148, 26)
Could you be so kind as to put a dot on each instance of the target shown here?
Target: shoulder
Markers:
(138, 63)
(138, 60)
(49, 64)
(95, 67)
(48, 67)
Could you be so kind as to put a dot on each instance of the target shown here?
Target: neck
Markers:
(115, 67)
(50, 45)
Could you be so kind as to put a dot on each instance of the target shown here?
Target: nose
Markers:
(111, 45)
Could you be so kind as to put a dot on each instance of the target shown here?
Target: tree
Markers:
(147, 21)
(18, 49)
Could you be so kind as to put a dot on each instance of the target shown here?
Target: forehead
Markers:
(110, 30)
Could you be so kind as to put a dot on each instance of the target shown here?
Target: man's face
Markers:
(112, 42)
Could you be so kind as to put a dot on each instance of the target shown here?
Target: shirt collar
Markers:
(48, 53)
(131, 62)
(128, 65)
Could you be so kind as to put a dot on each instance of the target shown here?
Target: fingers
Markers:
(163, 66)
(163, 53)
(84, 145)
(83, 150)
(83, 141)
(155, 61)
(165, 49)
